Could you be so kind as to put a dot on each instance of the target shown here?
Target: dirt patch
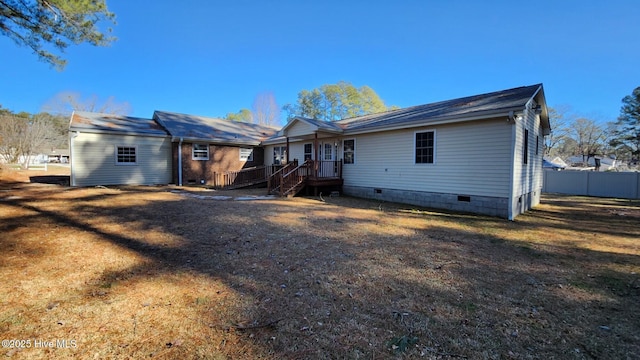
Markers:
(132, 272)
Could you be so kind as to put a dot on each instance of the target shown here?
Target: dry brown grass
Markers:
(135, 272)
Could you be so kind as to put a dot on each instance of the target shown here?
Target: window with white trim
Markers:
(246, 154)
(126, 155)
(425, 146)
(349, 151)
(308, 151)
(200, 152)
(279, 155)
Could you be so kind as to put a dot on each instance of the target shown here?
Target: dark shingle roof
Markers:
(490, 103)
(199, 128)
(88, 121)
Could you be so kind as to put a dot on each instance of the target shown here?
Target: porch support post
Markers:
(315, 165)
(286, 158)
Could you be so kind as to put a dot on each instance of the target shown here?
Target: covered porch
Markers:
(318, 166)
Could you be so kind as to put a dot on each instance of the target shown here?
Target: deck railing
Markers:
(243, 177)
(327, 169)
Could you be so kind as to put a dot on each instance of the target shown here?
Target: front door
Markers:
(327, 159)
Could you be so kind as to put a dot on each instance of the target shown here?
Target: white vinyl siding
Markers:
(473, 158)
(300, 128)
(527, 177)
(93, 158)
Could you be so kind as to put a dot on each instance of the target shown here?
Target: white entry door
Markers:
(328, 155)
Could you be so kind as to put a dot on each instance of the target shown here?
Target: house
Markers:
(595, 163)
(58, 156)
(169, 148)
(481, 154)
(556, 164)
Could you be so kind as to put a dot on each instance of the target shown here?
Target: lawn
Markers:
(139, 272)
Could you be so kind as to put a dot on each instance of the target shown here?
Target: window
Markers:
(308, 151)
(246, 154)
(279, 155)
(537, 144)
(126, 155)
(425, 147)
(525, 150)
(349, 151)
(200, 152)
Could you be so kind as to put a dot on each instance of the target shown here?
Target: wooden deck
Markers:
(292, 178)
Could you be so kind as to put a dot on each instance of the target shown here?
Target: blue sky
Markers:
(213, 57)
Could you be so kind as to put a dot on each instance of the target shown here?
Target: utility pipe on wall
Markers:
(180, 162)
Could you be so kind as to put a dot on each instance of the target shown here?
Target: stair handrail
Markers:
(277, 175)
(296, 171)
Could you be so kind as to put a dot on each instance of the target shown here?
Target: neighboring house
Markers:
(555, 164)
(58, 156)
(112, 149)
(597, 163)
(205, 149)
(480, 154)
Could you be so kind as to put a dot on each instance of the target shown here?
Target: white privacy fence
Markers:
(624, 185)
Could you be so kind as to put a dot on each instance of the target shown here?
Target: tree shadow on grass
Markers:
(326, 280)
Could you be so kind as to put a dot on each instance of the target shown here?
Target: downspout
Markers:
(180, 162)
(512, 167)
(72, 136)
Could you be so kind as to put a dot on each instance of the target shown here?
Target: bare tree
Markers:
(23, 137)
(265, 109)
(589, 136)
(559, 131)
(66, 102)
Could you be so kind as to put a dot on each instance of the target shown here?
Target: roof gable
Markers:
(204, 129)
(315, 124)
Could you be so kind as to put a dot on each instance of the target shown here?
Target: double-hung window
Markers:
(349, 151)
(308, 151)
(200, 152)
(246, 154)
(425, 145)
(279, 155)
(126, 155)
